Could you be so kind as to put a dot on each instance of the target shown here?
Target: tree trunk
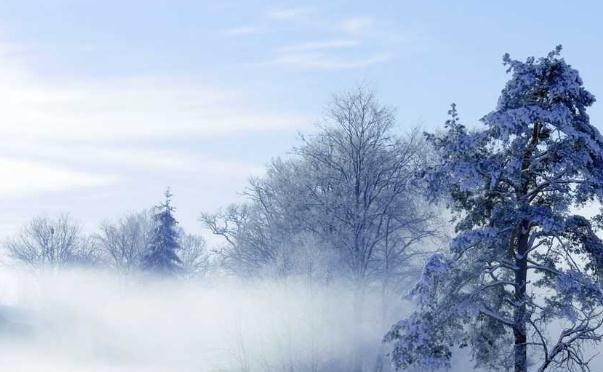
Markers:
(519, 313)
(521, 262)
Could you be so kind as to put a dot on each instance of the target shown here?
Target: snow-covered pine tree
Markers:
(161, 257)
(524, 255)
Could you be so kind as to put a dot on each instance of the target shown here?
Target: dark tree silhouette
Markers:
(161, 257)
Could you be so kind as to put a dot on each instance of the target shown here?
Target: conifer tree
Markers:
(525, 253)
(161, 256)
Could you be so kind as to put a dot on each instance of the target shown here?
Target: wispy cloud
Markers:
(61, 134)
(23, 177)
(242, 31)
(122, 158)
(288, 13)
(356, 47)
(131, 108)
(319, 45)
(323, 62)
(357, 25)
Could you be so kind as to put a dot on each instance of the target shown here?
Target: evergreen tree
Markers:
(521, 257)
(161, 257)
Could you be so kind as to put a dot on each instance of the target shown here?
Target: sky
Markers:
(103, 104)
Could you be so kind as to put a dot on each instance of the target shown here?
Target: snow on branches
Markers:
(520, 258)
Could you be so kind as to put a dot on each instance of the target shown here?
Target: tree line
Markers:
(343, 205)
(148, 241)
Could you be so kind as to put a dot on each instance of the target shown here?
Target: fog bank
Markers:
(93, 321)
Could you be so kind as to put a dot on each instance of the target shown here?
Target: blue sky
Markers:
(104, 103)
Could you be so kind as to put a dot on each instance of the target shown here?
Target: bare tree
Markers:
(347, 189)
(47, 242)
(194, 255)
(252, 241)
(125, 241)
(362, 173)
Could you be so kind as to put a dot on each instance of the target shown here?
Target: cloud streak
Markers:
(319, 45)
(357, 25)
(134, 108)
(23, 177)
(242, 31)
(62, 135)
(319, 61)
(288, 13)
